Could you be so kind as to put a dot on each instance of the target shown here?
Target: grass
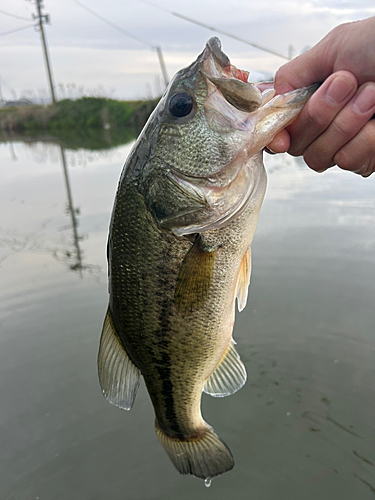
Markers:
(78, 120)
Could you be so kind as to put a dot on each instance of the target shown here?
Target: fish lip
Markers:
(215, 63)
(214, 45)
(231, 83)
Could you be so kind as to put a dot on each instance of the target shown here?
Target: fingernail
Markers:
(338, 90)
(269, 151)
(365, 100)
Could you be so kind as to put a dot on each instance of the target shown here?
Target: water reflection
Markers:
(302, 427)
(77, 264)
(89, 139)
(43, 151)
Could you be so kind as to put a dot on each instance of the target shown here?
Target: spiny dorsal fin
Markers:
(243, 280)
(118, 376)
(194, 278)
(229, 375)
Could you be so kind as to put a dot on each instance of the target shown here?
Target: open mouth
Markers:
(231, 81)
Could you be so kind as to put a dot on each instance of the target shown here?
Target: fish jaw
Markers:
(229, 191)
(227, 202)
(277, 114)
(259, 127)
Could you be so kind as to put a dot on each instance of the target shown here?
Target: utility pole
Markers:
(162, 66)
(44, 19)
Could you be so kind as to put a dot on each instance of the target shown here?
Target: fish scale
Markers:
(183, 221)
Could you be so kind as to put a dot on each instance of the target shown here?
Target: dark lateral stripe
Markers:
(164, 368)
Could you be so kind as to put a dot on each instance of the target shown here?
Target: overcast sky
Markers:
(90, 56)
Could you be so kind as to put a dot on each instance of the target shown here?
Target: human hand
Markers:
(335, 126)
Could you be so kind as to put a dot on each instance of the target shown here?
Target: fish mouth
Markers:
(217, 64)
(228, 79)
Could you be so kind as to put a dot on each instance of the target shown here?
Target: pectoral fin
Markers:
(118, 376)
(228, 377)
(243, 280)
(195, 276)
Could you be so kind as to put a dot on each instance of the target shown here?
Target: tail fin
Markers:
(205, 457)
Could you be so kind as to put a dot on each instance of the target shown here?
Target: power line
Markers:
(229, 35)
(110, 23)
(118, 28)
(13, 15)
(185, 18)
(17, 29)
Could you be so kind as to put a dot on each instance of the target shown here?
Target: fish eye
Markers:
(180, 104)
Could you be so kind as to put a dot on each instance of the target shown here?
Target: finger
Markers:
(321, 154)
(358, 155)
(280, 143)
(264, 86)
(321, 110)
(313, 66)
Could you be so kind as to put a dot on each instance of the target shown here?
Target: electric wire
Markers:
(176, 14)
(110, 23)
(217, 30)
(17, 29)
(13, 15)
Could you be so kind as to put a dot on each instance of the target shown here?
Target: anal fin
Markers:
(229, 375)
(243, 280)
(118, 376)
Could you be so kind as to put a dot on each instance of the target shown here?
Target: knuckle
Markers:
(341, 128)
(315, 116)
(345, 160)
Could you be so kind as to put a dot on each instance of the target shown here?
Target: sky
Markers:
(90, 57)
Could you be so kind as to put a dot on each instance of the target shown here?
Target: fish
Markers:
(179, 251)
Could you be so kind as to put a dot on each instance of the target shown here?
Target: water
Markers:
(303, 426)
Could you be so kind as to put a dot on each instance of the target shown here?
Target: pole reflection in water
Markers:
(77, 265)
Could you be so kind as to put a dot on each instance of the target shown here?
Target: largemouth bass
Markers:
(183, 221)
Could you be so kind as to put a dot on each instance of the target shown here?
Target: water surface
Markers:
(304, 424)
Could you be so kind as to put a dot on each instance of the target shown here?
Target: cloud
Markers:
(88, 52)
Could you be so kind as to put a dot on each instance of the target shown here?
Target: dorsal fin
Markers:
(243, 280)
(118, 376)
(229, 375)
